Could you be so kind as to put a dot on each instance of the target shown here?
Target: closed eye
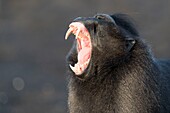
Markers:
(104, 17)
(100, 17)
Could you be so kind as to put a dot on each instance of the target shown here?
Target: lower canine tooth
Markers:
(73, 68)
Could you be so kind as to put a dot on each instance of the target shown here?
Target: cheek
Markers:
(103, 31)
(115, 46)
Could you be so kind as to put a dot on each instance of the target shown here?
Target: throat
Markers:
(123, 93)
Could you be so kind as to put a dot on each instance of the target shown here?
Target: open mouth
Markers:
(84, 46)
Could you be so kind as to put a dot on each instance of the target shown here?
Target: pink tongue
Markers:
(83, 55)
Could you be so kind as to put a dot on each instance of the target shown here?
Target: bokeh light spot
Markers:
(18, 83)
(3, 98)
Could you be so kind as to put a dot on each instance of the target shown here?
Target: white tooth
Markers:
(72, 68)
(86, 63)
(69, 31)
(78, 69)
(77, 33)
(88, 36)
(72, 24)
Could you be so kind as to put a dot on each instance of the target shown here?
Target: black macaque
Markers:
(112, 70)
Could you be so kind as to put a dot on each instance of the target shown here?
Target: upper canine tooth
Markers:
(69, 31)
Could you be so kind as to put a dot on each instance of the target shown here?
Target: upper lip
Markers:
(70, 30)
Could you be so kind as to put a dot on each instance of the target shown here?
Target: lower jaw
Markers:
(78, 69)
(81, 66)
(84, 73)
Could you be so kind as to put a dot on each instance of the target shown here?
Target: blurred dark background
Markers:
(33, 49)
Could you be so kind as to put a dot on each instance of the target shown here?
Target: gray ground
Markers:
(33, 49)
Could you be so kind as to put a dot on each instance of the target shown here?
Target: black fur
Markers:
(122, 76)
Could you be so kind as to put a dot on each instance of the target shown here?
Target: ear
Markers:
(130, 42)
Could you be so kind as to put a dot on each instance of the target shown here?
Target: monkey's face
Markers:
(99, 41)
